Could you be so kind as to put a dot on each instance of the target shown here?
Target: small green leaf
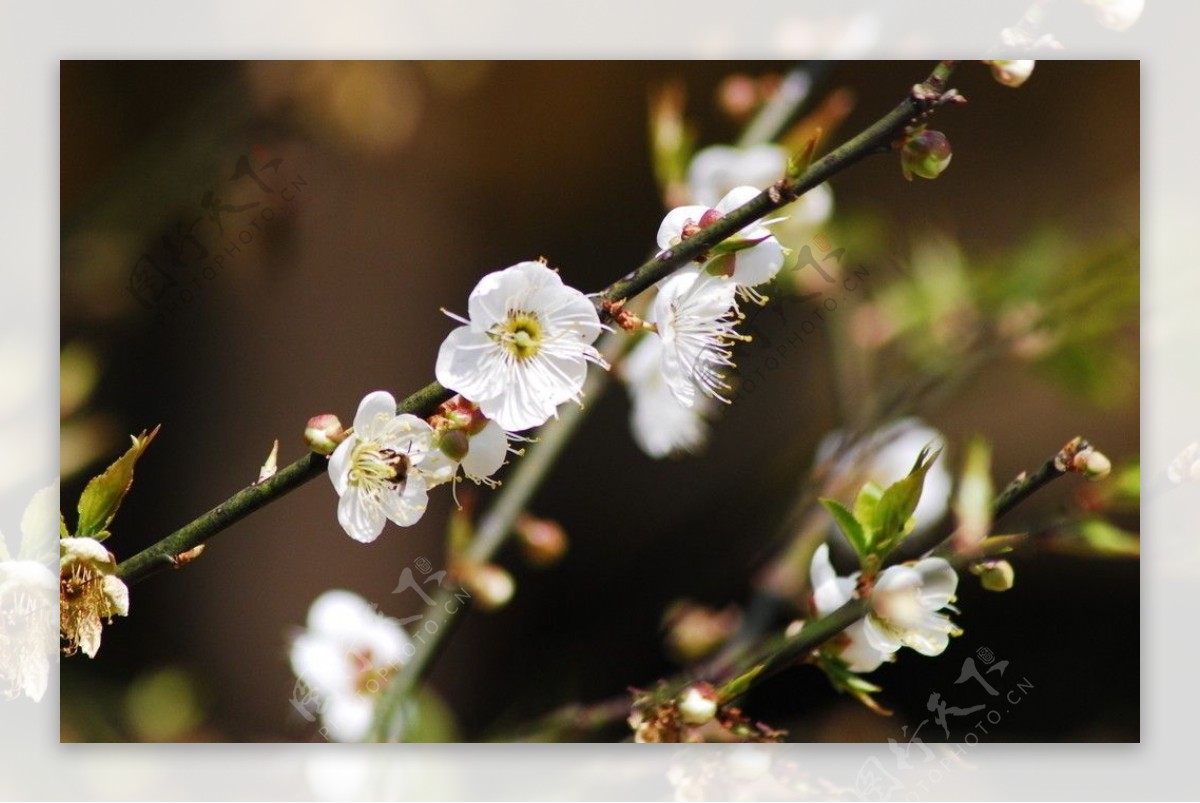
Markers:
(846, 682)
(735, 244)
(104, 493)
(1102, 538)
(37, 525)
(740, 684)
(63, 532)
(850, 527)
(867, 502)
(893, 514)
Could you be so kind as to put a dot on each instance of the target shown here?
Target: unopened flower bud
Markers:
(694, 631)
(925, 154)
(994, 575)
(1118, 15)
(1092, 464)
(454, 443)
(542, 541)
(491, 587)
(324, 433)
(1012, 72)
(698, 705)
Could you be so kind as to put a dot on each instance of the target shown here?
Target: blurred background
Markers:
(350, 201)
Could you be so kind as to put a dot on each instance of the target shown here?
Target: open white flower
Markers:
(905, 604)
(717, 169)
(381, 471)
(886, 456)
(525, 348)
(694, 314)
(661, 425)
(831, 592)
(754, 264)
(89, 593)
(904, 611)
(346, 656)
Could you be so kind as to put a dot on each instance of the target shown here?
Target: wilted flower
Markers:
(525, 348)
(381, 470)
(89, 593)
(346, 656)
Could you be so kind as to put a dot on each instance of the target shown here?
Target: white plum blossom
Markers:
(344, 658)
(524, 349)
(905, 605)
(831, 592)
(887, 455)
(694, 314)
(717, 169)
(90, 593)
(383, 469)
(754, 264)
(661, 424)
(904, 609)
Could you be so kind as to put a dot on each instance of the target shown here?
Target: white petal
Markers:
(929, 641)
(347, 717)
(830, 592)
(738, 196)
(879, 637)
(339, 464)
(859, 654)
(117, 594)
(375, 410)
(486, 451)
(339, 613)
(521, 406)
(437, 468)
(671, 229)
(758, 264)
(719, 168)
(322, 664)
(406, 509)
(86, 550)
(469, 363)
(360, 517)
(89, 636)
(939, 581)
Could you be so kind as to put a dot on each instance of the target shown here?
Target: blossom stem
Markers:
(923, 98)
(494, 527)
(161, 555)
(877, 138)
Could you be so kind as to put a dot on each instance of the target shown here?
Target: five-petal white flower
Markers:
(904, 609)
(525, 348)
(754, 264)
(694, 314)
(382, 470)
(345, 657)
(905, 604)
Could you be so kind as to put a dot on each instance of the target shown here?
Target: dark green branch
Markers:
(922, 99)
(161, 555)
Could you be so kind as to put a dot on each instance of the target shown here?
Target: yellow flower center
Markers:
(372, 466)
(521, 334)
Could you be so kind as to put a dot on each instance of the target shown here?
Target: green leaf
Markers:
(893, 515)
(850, 527)
(866, 503)
(1100, 537)
(63, 532)
(103, 494)
(846, 682)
